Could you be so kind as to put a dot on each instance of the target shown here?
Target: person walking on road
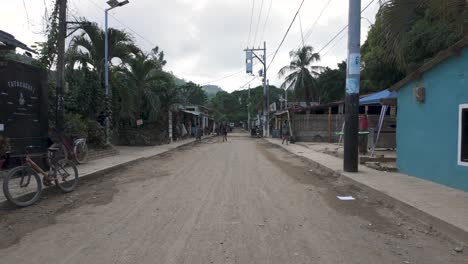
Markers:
(224, 131)
(285, 131)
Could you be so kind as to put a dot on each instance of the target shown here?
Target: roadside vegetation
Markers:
(406, 34)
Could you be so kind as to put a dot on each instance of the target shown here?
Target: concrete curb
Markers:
(451, 231)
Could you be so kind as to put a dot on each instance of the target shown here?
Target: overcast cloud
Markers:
(204, 39)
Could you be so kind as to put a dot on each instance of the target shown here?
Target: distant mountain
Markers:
(211, 90)
(178, 81)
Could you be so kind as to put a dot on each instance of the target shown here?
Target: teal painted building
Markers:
(432, 122)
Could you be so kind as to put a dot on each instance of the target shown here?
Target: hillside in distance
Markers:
(211, 90)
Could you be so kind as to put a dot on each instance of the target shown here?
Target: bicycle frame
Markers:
(35, 167)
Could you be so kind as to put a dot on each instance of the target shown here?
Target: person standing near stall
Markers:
(285, 131)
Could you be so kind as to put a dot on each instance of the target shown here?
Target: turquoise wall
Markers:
(427, 133)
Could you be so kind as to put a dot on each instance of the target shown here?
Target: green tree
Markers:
(301, 75)
(377, 72)
(87, 48)
(192, 93)
(140, 75)
(414, 30)
(332, 83)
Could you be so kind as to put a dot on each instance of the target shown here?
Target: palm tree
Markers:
(301, 75)
(398, 17)
(141, 73)
(87, 48)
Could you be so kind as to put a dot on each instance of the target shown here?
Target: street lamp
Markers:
(113, 4)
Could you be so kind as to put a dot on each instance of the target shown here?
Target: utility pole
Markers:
(113, 4)
(266, 111)
(286, 99)
(62, 34)
(351, 131)
(267, 116)
(248, 111)
(249, 63)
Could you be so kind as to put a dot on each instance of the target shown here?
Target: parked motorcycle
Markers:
(259, 133)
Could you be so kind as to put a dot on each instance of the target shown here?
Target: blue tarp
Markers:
(376, 97)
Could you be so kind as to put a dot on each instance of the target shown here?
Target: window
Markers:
(463, 136)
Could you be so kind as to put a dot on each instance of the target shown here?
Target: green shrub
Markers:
(75, 126)
(96, 134)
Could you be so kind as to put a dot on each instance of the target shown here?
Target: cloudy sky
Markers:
(204, 39)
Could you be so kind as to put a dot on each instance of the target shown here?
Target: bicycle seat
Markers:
(53, 149)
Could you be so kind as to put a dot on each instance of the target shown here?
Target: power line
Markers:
(311, 29)
(251, 19)
(27, 14)
(258, 22)
(124, 25)
(266, 20)
(247, 83)
(287, 31)
(331, 48)
(300, 27)
(328, 43)
(224, 77)
(232, 74)
(343, 29)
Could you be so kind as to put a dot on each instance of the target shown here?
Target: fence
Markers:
(323, 127)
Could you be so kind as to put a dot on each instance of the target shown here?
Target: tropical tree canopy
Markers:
(300, 75)
(429, 25)
(87, 48)
(191, 93)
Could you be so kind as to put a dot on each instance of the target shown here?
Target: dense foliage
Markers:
(140, 89)
(406, 34)
(233, 107)
(300, 75)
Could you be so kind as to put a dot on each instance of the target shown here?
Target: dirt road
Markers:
(243, 201)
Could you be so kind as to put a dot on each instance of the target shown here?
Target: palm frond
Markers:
(286, 69)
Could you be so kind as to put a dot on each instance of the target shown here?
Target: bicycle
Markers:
(78, 149)
(22, 185)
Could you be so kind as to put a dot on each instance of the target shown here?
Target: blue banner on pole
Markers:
(352, 86)
(248, 61)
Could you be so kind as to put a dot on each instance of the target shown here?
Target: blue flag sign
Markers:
(248, 61)
(354, 63)
(352, 86)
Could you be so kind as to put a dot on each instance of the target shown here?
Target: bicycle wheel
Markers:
(22, 186)
(66, 175)
(81, 152)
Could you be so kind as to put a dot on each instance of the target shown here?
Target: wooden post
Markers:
(329, 126)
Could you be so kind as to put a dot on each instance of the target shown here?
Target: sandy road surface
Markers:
(244, 201)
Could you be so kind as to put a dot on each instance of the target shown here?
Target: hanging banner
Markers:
(354, 63)
(273, 107)
(248, 61)
(352, 86)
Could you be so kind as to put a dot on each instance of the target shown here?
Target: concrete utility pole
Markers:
(351, 131)
(113, 4)
(248, 111)
(266, 110)
(62, 34)
(249, 55)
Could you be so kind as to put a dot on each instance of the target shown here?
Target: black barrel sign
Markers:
(23, 105)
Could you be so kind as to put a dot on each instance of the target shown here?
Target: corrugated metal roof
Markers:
(9, 39)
